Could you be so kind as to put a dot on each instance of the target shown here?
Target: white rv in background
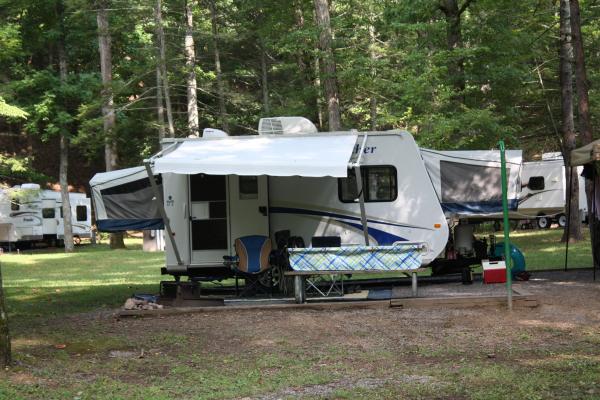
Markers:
(36, 216)
(543, 193)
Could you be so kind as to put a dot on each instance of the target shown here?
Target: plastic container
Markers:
(493, 271)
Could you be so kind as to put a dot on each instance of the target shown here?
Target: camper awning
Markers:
(273, 155)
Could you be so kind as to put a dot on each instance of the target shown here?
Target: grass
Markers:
(50, 282)
(544, 250)
(49, 292)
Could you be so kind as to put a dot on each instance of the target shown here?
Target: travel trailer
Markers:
(29, 214)
(217, 189)
(544, 192)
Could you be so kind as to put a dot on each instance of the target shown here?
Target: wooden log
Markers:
(5, 351)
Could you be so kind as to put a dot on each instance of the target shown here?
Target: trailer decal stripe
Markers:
(289, 210)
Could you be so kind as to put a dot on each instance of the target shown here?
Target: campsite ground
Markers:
(67, 343)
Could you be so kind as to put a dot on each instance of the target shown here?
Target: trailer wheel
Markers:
(562, 220)
(543, 222)
(76, 240)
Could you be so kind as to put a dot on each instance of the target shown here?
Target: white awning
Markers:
(274, 155)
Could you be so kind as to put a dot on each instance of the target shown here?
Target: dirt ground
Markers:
(552, 351)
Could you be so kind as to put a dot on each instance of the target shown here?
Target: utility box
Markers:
(493, 271)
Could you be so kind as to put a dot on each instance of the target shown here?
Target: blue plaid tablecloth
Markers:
(399, 257)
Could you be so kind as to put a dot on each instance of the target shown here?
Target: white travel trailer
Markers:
(544, 192)
(218, 189)
(36, 215)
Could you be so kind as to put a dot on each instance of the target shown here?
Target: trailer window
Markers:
(81, 212)
(536, 183)
(248, 187)
(48, 213)
(380, 183)
(14, 205)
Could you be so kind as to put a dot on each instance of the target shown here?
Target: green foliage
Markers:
(8, 111)
(19, 169)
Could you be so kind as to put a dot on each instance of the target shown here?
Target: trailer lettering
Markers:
(367, 150)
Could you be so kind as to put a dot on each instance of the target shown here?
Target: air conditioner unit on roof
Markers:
(285, 126)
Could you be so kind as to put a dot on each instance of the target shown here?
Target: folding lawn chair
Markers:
(251, 262)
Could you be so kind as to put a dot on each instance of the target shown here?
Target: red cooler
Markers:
(493, 271)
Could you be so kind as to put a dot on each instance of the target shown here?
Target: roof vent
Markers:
(285, 126)
(30, 186)
(214, 133)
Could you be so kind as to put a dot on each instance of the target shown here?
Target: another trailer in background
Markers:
(29, 215)
(543, 194)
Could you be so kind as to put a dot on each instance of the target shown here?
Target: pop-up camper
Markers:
(468, 183)
(123, 201)
(218, 189)
(29, 214)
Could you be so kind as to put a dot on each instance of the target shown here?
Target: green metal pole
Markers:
(507, 259)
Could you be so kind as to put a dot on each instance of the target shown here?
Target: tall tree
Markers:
(190, 67)
(163, 77)
(64, 138)
(328, 67)
(453, 12)
(108, 108)
(573, 228)
(217, 55)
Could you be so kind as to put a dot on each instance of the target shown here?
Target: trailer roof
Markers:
(273, 155)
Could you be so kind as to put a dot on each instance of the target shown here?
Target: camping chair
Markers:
(251, 262)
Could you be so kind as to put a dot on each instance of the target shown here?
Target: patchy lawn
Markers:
(67, 344)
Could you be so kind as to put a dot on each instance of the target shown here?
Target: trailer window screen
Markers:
(536, 183)
(48, 213)
(207, 187)
(209, 234)
(248, 187)
(380, 183)
(81, 212)
(470, 183)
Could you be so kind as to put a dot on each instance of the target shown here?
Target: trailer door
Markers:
(208, 219)
(248, 200)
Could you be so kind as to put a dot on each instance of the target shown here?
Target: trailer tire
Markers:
(543, 222)
(562, 220)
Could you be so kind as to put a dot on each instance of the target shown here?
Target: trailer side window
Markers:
(380, 183)
(81, 212)
(48, 213)
(248, 187)
(536, 183)
(14, 205)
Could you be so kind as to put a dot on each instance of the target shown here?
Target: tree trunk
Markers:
(583, 112)
(108, 108)
(373, 57)
(162, 66)
(264, 78)
(309, 79)
(190, 66)
(328, 69)
(573, 228)
(218, 72)
(456, 71)
(64, 146)
(5, 351)
(160, 108)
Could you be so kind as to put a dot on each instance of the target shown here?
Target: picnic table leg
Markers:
(299, 289)
(414, 284)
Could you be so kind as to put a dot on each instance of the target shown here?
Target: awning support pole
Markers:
(361, 192)
(507, 260)
(161, 208)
